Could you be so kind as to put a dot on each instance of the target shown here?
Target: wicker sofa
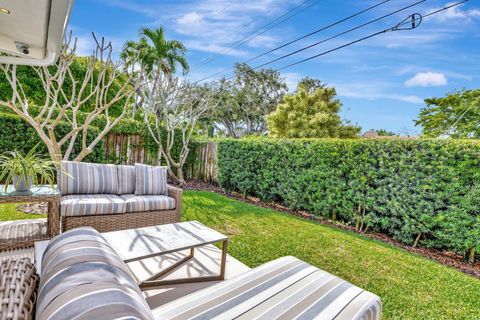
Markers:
(115, 197)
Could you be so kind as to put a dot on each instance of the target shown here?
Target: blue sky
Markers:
(381, 82)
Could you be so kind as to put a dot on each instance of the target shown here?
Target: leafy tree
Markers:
(155, 52)
(311, 84)
(310, 115)
(385, 133)
(456, 115)
(247, 99)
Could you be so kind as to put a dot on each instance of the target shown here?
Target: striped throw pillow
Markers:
(150, 180)
(126, 179)
(83, 278)
(87, 178)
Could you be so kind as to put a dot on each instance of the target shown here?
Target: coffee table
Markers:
(143, 243)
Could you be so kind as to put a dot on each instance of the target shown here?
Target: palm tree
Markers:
(155, 52)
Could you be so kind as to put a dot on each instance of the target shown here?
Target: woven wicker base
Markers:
(18, 285)
(22, 233)
(114, 222)
(131, 220)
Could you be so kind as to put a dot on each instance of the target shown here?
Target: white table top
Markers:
(136, 244)
(141, 243)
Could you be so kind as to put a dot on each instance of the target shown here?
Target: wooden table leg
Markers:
(224, 260)
(53, 218)
(152, 282)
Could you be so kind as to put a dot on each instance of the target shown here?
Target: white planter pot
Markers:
(21, 184)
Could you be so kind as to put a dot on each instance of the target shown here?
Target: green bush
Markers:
(418, 191)
(18, 135)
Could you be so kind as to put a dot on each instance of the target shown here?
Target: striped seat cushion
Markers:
(150, 180)
(87, 178)
(148, 203)
(91, 204)
(83, 278)
(285, 288)
(34, 229)
(126, 179)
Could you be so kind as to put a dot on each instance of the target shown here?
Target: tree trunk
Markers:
(180, 177)
(471, 255)
(417, 239)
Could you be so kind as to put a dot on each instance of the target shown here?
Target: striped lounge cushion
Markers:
(148, 203)
(285, 288)
(91, 204)
(126, 179)
(87, 178)
(150, 180)
(34, 229)
(83, 278)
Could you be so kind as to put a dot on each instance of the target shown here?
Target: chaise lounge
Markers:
(115, 197)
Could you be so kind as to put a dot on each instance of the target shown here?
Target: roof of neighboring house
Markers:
(32, 31)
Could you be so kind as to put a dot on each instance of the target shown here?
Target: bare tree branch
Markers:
(62, 104)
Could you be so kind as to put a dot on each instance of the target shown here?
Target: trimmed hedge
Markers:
(418, 191)
(16, 134)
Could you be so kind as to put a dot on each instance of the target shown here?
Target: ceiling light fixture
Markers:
(3, 10)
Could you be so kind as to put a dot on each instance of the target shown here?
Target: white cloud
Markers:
(213, 25)
(456, 13)
(263, 41)
(373, 90)
(427, 79)
(292, 79)
(411, 99)
(191, 19)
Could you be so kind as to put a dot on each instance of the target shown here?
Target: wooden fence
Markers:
(127, 149)
(205, 165)
(130, 149)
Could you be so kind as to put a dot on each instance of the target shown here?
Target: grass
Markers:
(410, 286)
(9, 212)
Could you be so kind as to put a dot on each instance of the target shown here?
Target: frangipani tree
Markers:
(66, 97)
(173, 107)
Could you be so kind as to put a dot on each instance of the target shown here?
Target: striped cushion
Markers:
(83, 278)
(91, 204)
(126, 179)
(285, 288)
(148, 203)
(150, 180)
(87, 178)
(23, 229)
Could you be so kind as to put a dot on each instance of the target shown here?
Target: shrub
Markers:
(19, 135)
(414, 190)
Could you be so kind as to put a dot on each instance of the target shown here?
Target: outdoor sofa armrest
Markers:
(176, 193)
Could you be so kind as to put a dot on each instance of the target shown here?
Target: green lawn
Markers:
(9, 212)
(410, 286)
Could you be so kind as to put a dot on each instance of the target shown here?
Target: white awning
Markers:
(32, 31)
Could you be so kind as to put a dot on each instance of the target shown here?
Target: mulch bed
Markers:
(446, 258)
(33, 208)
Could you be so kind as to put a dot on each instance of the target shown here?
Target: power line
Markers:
(395, 28)
(412, 20)
(338, 35)
(265, 28)
(300, 38)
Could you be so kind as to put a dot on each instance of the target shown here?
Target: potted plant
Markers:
(23, 171)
